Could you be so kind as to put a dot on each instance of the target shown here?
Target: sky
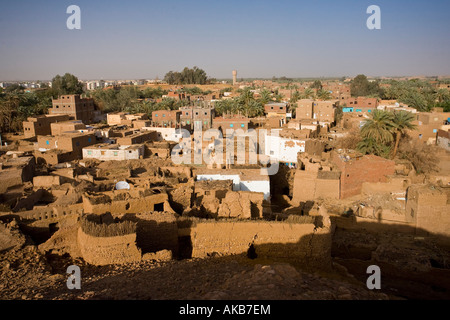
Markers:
(144, 39)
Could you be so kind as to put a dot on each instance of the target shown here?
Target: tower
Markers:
(234, 77)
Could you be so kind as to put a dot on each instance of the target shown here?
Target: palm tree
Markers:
(295, 97)
(379, 127)
(265, 96)
(403, 120)
(323, 94)
(442, 95)
(308, 93)
(371, 146)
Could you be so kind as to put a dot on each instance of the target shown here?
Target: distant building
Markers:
(359, 104)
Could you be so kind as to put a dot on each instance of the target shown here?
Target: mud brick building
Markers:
(231, 122)
(195, 117)
(70, 144)
(41, 125)
(58, 128)
(75, 107)
(322, 111)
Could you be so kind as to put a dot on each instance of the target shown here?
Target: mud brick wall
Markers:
(108, 250)
(275, 240)
(157, 231)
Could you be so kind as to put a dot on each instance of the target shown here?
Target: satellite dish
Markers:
(122, 185)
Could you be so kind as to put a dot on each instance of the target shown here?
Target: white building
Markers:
(107, 152)
(283, 149)
(243, 179)
(169, 134)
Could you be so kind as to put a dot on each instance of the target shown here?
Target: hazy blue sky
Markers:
(259, 38)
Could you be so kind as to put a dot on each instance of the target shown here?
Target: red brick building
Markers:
(166, 118)
(357, 169)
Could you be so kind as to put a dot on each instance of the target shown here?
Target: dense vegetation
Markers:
(188, 76)
(418, 94)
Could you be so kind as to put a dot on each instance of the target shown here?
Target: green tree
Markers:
(323, 94)
(371, 146)
(362, 87)
(295, 96)
(265, 96)
(67, 84)
(307, 94)
(402, 120)
(379, 127)
(317, 85)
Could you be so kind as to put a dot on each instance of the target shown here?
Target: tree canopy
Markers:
(362, 87)
(66, 84)
(187, 76)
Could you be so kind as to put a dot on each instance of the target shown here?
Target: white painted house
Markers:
(243, 179)
(107, 152)
(283, 149)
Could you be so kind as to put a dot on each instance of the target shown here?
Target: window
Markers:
(206, 113)
(47, 142)
(271, 108)
(89, 139)
(116, 153)
(242, 125)
(102, 153)
(164, 115)
(196, 113)
(156, 114)
(77, 143)
(231, 125)
(188, 122)
(205, 122)
(187, 113)
(434, 130)
(89, 152)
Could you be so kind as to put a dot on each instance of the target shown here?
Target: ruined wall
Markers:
(180, 197)
(108, 250)
(46, 181)
(118, 202)
(242, 204)
(156, 231)
(428, 207)
(300, 242)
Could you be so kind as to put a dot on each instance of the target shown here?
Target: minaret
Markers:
(234, 77)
